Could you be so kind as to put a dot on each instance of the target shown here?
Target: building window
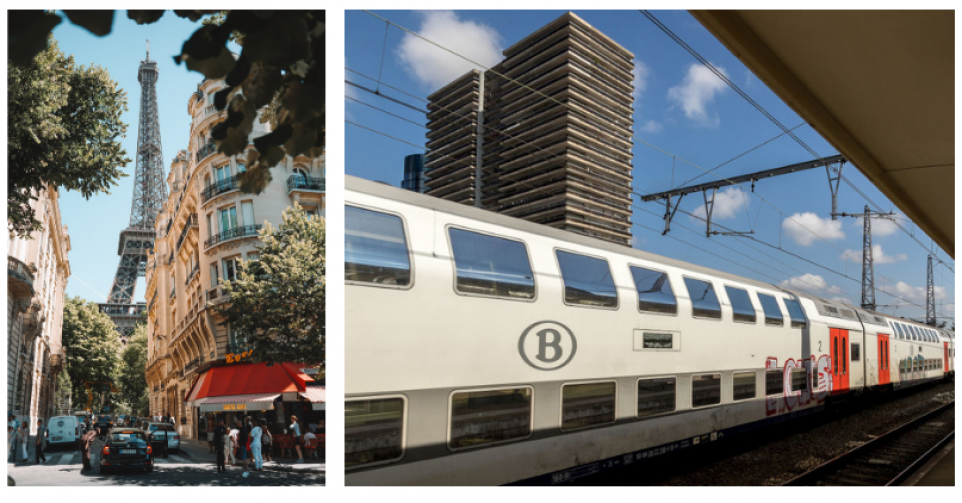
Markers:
(587, 280)
(585, 405)
(375, 248)
(743, 385)
(213, 275)
(705, 390)
(247, 211)
(773, 314)
(489, 265)
(704, 302)
(742, 307)
(222, 172)
(301, 176)
(210, 227)
(479, 418)
(656, 396)
(373, 431)
(774, 382)
(228, 219)
(654, 291)
(230, 269)
(241, 167)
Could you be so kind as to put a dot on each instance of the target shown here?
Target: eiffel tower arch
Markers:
(150, 192)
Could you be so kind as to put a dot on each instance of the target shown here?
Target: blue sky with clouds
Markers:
(95, 224)
(684, 116)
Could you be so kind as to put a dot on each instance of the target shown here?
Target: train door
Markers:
(945, 362)
(883, 360)
(840, 360)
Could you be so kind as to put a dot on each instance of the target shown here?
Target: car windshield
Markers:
(135, 438)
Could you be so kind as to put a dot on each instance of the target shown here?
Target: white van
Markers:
(63, 430)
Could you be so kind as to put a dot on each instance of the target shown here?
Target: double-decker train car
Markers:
(482, 349)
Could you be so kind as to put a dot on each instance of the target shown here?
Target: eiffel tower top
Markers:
(148, 67)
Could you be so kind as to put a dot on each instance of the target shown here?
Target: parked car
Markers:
(126, 448)
(166, 431)
(64, 430)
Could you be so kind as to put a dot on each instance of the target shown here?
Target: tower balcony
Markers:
(19, 279)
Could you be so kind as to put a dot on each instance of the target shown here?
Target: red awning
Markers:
(248, 379)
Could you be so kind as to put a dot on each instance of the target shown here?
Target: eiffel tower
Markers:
(150, 192)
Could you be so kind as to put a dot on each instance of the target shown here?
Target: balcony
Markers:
(212, 294)
(225, 185)
(191, 222)
(19, 279)
(205, 151)
(193, 273)
(298, 182)
(237, 232)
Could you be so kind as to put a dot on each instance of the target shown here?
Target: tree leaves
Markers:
(145, 16)
(91, 346)
(27, 34)
(278, 300)
(98, 22)
(206, 52)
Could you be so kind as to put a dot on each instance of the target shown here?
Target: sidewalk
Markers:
(198, 451)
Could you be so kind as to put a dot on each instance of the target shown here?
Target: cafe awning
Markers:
(317, 395)
(233, 384)
(262, 401)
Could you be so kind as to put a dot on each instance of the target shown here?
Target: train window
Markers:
(773, 313)
(585, 405)
(657, 341)
(799, 378)
(373, 431)
(856, 352)
(705, 390)
(480, 418)
(656, 396)
(654, 291)
(704, 302)
(490, 265)
(743, 385)
(742, 307)
(375, 248)
(796, 313)
(587, 280)
(898, 329)
(774, 382)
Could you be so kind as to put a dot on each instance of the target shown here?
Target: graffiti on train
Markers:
(818, 385)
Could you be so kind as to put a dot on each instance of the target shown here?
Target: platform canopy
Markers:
(878, 85)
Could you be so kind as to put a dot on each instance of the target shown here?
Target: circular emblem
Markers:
(547, 345)
(60, 423)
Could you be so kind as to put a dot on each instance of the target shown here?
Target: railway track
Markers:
(888, 459)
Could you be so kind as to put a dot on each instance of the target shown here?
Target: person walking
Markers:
(208, 424)
(232, 445)
(13, 429)
(266, 440)
(243, 437)
(22, 439)
(220, 434)
(85, 442)
(172, 419)
(256, 445)
(298, 439)
(41, 441)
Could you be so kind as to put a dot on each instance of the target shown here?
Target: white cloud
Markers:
(815, 284)
(638, 242)
(878, 255)
(806, 227)
(640, 81)
(913, 294)
(434, 67)
(651, 126)
(696, 91)
(882, 227)
(728, 203)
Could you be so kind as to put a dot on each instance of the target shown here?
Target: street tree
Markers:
(91, 348)
(64, 131)
(277, 301)
(281, 67)
(133, 378)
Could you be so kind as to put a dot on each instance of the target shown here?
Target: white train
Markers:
(482, 349)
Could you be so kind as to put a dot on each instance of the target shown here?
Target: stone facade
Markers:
(205, 226)
(37, 272)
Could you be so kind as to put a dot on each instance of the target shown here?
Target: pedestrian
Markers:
(231, 444)
(41, 441)
(13, 428)
(298, 439)
(244, 437)
(172, 420)
(312, 428)
(22, 439)
(256, 445)
(266, 440)
(85, 443)
(220, 437)
(209, 425)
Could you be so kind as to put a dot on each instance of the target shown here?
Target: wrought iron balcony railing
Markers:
(236, 232)
(193, 273)
(298, 182)
(219, 187)
(205, 151)
(191, 222)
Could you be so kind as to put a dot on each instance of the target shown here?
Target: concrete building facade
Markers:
(208, 226)
(552, 125)
(37, 272)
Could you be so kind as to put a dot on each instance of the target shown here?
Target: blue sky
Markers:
(680, 108)
(95, 224)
